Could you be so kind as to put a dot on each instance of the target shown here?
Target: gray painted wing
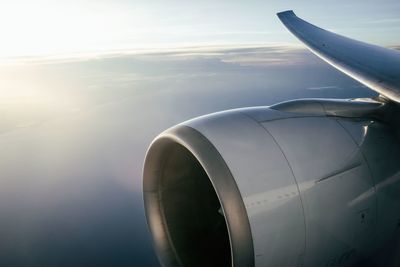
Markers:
(374, 66)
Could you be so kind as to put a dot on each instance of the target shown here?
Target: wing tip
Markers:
(285, 14)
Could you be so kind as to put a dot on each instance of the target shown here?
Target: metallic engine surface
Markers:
(317, 190)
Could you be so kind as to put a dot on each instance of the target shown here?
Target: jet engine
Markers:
(301, 183)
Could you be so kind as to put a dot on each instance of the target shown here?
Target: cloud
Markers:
(81, 178)
(258, 55)
(384, 21)
(328, 87)
(242, 54)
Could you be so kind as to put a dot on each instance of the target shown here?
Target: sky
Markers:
(87, 27)
(86, 86)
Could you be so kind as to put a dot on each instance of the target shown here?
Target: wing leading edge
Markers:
(374, 66)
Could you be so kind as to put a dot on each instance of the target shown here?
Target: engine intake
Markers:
(196, 207)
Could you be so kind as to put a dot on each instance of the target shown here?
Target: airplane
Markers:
(307, 182)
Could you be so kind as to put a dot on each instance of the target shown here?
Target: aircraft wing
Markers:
(374, 66)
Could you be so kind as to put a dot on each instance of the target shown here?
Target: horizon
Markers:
(70, 30)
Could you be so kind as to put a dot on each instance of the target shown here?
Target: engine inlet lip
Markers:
(234, 210)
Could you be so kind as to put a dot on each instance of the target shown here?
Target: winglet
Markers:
(286, 17)
(374, 66)
(282, 15)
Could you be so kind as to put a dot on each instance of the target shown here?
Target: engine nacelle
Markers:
(303, 183)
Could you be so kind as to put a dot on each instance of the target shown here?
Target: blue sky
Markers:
(66, 28)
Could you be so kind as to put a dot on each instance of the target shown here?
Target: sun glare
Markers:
(49, 28)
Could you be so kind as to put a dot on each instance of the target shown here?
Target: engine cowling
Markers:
(303, 183)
